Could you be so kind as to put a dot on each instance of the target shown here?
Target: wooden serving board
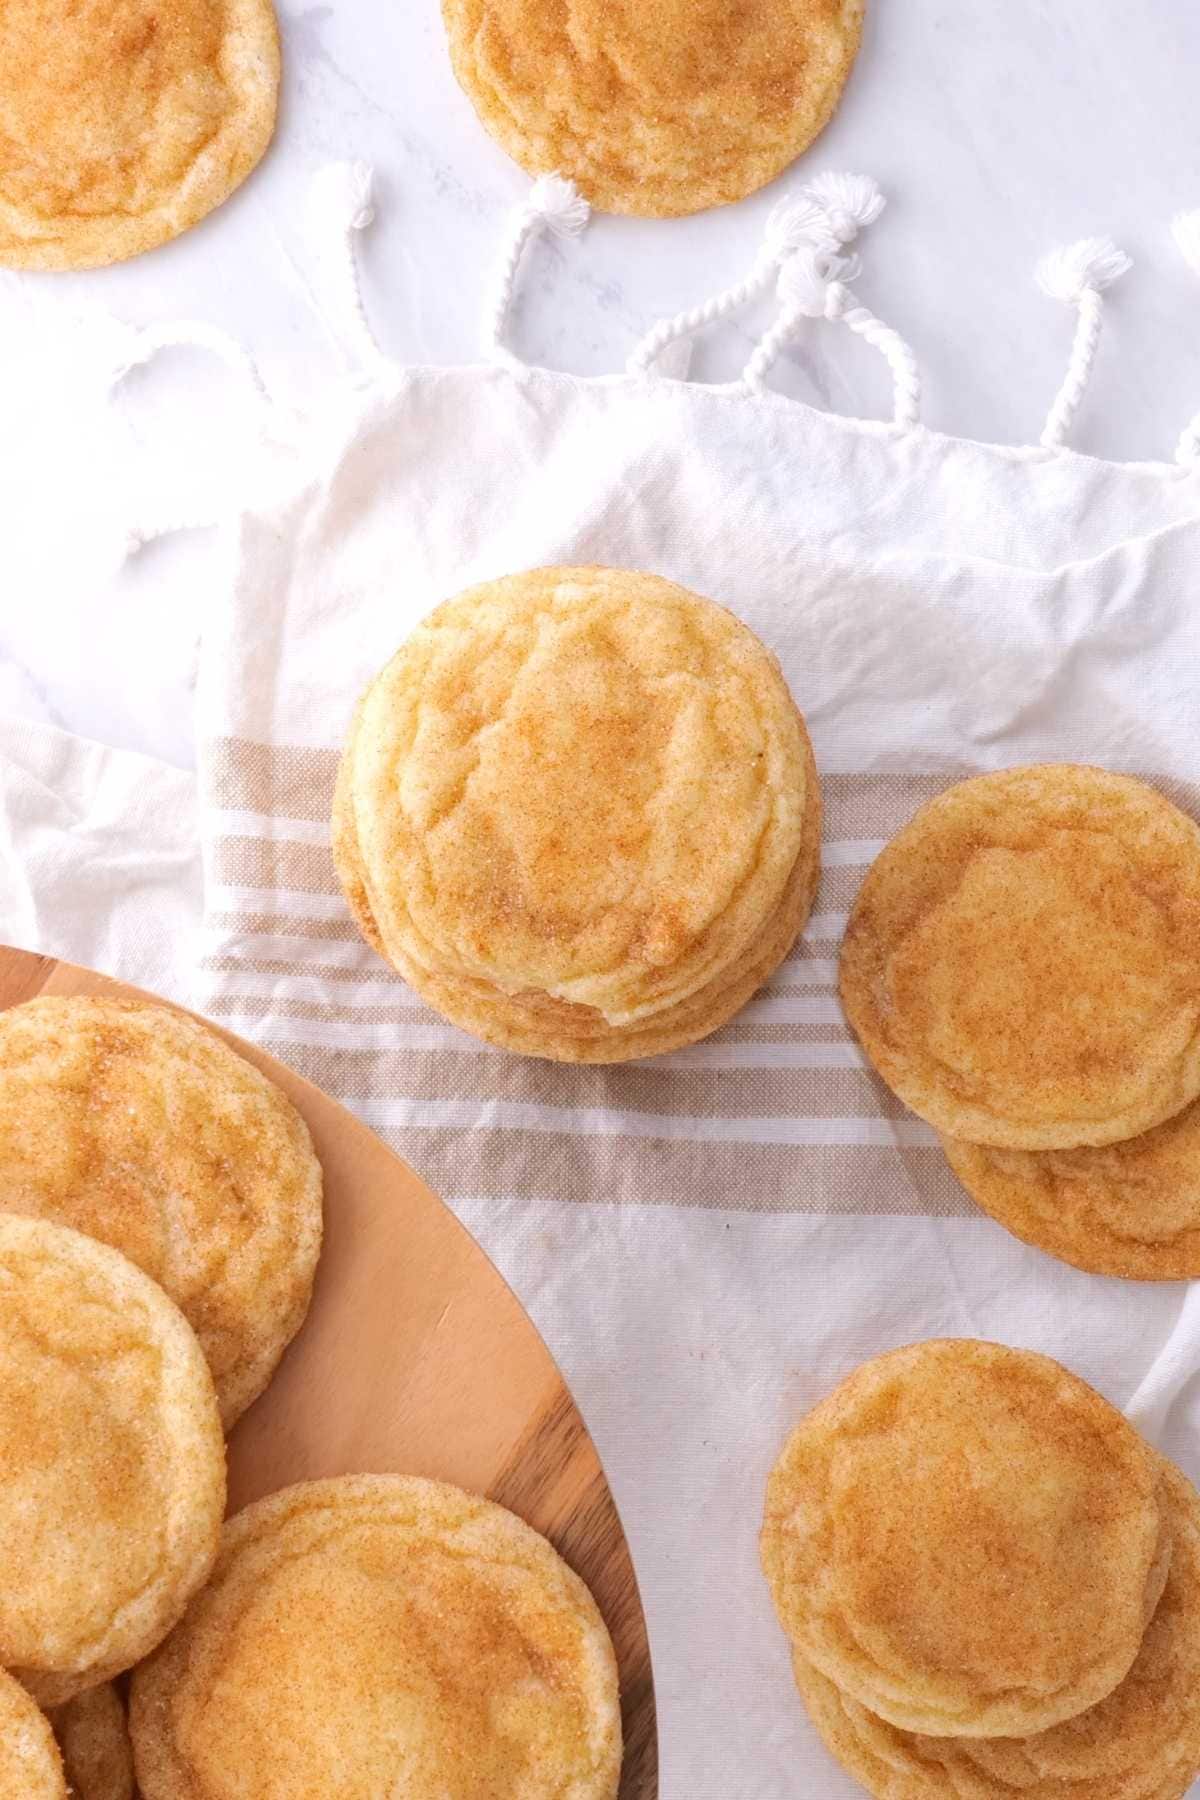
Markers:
(417, 1358)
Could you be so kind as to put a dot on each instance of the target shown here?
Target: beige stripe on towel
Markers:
(776, 1113)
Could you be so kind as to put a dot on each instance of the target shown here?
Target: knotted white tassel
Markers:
(814, 284)
(137, 537)
(791, 223)
(828, 211)
(144, 345)
(1078, 276)
(849, 202)
(140, 348)
(554, 204)
(1185, 228)
(169, 524)
(342, 203)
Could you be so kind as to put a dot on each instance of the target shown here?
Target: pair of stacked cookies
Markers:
(160, 1223)
(990, 1583)
(579, 812)
(1022, 966)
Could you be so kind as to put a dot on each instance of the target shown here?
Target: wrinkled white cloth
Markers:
(938, 607)
(99, 858)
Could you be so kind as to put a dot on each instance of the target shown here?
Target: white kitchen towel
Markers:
(708, 1240)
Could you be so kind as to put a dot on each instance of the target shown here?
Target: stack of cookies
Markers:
(990, 1583)
(578, 811)
(1022, 966)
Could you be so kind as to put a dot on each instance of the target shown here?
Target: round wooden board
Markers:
(416, 1357)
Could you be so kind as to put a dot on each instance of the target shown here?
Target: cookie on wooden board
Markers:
(114, 1462)
(30, 1765)
(93, 1737)
(381, 1633)
(137, 1125)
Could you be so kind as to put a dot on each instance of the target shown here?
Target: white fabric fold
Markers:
(99, 857)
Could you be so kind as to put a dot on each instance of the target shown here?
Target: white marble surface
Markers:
(996, 132)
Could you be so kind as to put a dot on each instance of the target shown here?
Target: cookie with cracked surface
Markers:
(660, 108)
(140, 1127)
(123, 122)
(1141, 1743)
(114, 1462)
(382, 1633)
(967, 1539)
(579, 812)
(1020, 962)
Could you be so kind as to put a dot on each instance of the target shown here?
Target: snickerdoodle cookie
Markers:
(138, 1126)
(93, 1736)
(1141, 1743)
(1020, 963)
(123, 122)
(381, 1634)
(113, 1460)
(967, 1540)
(1129, 1209)
(579, 813)
(30, 1765)
(658, 108)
